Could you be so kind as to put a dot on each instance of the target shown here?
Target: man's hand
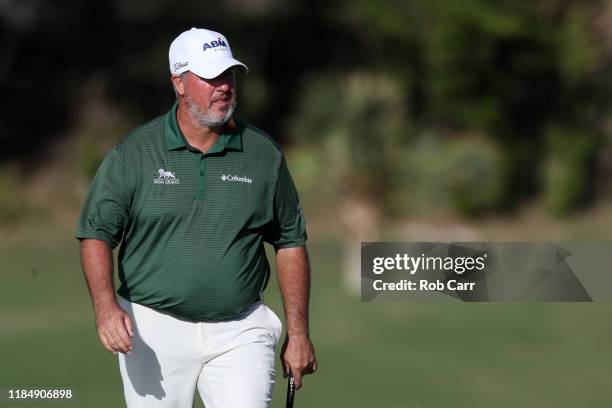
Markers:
(298, 357)
(113, 324)
(114, 328)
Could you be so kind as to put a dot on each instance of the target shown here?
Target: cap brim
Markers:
(213, 68)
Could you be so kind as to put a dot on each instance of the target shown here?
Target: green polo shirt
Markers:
(192, 225)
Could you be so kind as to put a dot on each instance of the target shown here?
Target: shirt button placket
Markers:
(202, 177)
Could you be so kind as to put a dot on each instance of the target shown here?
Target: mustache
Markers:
(223, 97)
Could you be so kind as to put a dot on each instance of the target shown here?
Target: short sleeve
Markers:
(105, 212)
(288, 228)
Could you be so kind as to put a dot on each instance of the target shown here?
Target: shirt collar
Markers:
(229, 139)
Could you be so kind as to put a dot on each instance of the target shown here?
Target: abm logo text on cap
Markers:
(214, 44)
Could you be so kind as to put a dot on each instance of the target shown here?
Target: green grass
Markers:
(370, 354)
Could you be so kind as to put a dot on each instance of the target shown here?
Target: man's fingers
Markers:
(115, 341)
(298, 370)
(106, 343)
(122, 337)
(310, 368)
(297, 376)
(128, 325)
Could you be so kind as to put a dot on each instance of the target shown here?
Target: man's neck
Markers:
(202, 138)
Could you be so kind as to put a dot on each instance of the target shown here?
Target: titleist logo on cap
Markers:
(180, 65)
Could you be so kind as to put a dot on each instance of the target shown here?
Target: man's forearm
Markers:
(294, 280)
(113, 324)
(97, 263)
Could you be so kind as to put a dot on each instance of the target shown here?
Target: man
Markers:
(192, 196)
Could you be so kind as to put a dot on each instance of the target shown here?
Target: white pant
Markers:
(230, 362)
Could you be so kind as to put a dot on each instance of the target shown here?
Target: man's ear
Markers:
(179, 84)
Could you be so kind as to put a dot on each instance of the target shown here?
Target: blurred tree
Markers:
(358, 121)
(507, 71)
(504, 69)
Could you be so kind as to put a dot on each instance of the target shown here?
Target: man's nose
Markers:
(225, 85)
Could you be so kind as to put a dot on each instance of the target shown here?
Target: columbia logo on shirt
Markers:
(165, 177)
(235, 178)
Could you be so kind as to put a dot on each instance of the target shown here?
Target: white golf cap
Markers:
(205, 53)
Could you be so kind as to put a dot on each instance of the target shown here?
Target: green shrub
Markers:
(437, 175)
(568, 171)
(357, 124)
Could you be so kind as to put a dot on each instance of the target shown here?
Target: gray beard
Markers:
(208, 118)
